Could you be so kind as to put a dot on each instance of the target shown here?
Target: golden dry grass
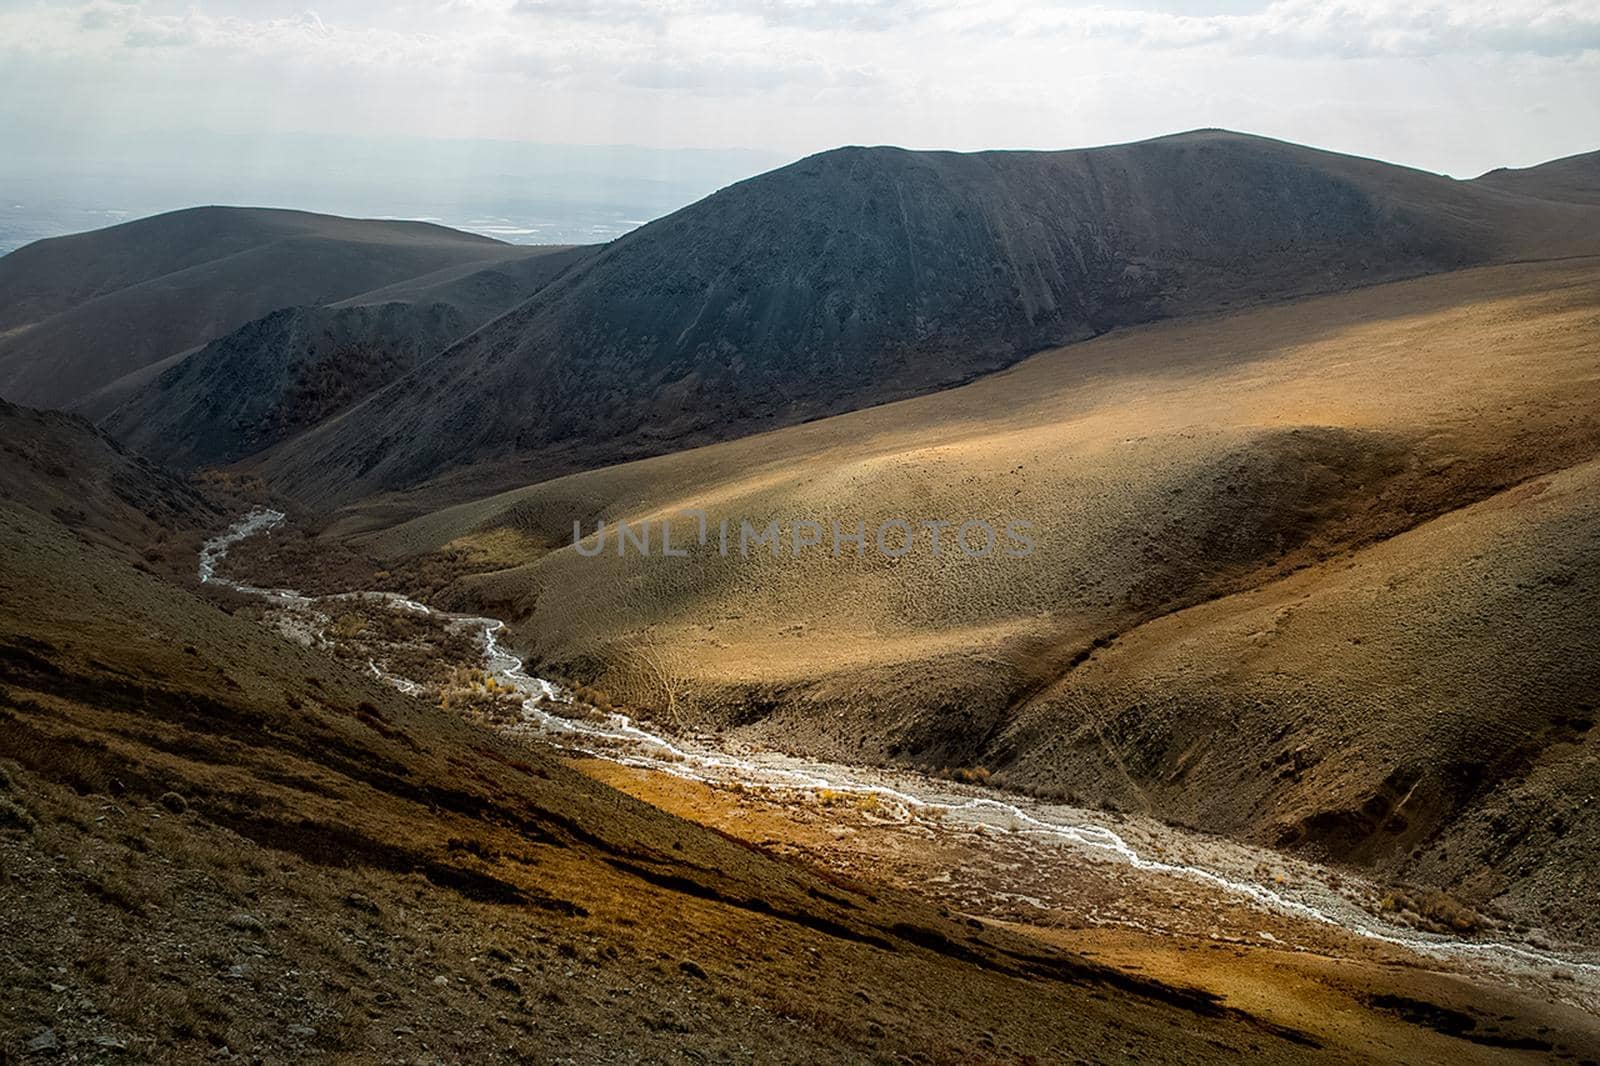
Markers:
(1158, 465)
(1163, 467)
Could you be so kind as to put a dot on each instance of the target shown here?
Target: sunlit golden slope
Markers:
(1426, 705)
(1161, 467)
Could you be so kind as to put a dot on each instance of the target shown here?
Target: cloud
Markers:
(1376, 76)
(828, 15)
(718, 75)
(1348, 28)
(720, 46)
(160, 33)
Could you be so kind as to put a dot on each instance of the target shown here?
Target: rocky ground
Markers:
(1306, 946)
(217, 844)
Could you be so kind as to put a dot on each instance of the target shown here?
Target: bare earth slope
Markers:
(288, 371)
(79, 312)
(1426, 707)
(1162, 468)
(867, 274)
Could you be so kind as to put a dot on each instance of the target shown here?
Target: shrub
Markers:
(1433, 910)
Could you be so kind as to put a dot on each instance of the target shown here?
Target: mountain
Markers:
(1320, 575)
(295, 367)
(1574, 179)
(868, 274)
(1309, 468)
(77, 313)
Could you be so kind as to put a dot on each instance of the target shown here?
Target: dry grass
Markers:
(1169, 470)
(1160, 465)
(262, 851)
(1433, 910)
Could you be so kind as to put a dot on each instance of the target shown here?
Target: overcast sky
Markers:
(1457, 88)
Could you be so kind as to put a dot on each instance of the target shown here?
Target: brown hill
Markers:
(79, 312)
(216, 841)
(867, 274)
(1574, 179)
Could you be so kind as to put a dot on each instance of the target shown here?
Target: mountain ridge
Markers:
(863, 275)
(1570, 179)
(297, 366)
(81, 311)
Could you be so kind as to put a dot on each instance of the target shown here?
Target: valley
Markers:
(332, 728)
(1045, 870)
(1275, 550)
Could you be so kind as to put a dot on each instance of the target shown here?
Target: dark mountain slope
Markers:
(51, 276)
(866, 274)
(287, 371)
(277, 375)
(79, 312)
(1574, 179)
(61, 466)
(480, 292)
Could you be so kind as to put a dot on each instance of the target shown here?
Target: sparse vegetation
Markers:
(1431, 909)
(967, 775)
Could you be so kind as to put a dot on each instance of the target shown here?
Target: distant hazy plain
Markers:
(518, 192)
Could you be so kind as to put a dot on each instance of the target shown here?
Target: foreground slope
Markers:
(1161, 468)
(867, 274)
(218, 842)
(77, 313)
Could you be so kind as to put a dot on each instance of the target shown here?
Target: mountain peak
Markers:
(870, 273)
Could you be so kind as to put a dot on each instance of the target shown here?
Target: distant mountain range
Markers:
(850, 278)
(77, 314)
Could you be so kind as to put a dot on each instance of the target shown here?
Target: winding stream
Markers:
(913, 797)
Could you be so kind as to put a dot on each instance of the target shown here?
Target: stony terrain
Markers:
(311, 886)
(216, 844)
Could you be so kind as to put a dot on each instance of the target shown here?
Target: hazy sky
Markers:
(1457, 87)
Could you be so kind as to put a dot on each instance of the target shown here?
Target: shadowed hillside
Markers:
(60, 466)
(77, 313)
(867, 274)
(292, 369)
(1574, 179)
